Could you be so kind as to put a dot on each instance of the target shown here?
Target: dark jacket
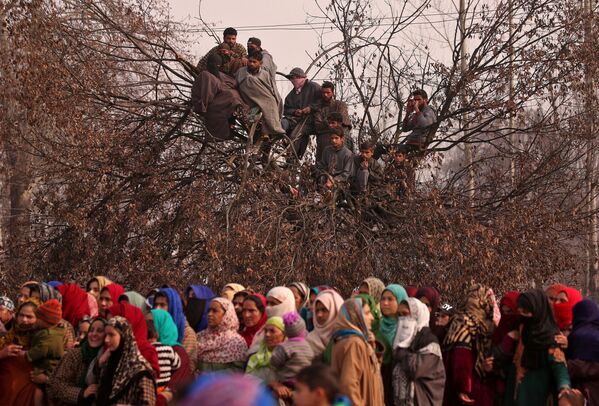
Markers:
(310, 95)
(419, 125)
(339, 164)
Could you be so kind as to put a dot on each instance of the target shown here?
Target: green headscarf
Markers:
(166, 327)
(389, 324)
(137, 300)
(261, 359)
(88, 354)
(374, 309)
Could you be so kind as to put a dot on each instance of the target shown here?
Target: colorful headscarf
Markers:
(376, 313)
(124, 365)
(7, 303)
(196, 310)
(47, 292)
(283, 295)
(248, 333)
(165, 327)
(175, 308)
(375, 288)
(322, 333)
(75, 304)
(473, 324)
(388, 325)
(215, 390)
(261, 359)
(222, 344)
(583, 341)
(350, 320)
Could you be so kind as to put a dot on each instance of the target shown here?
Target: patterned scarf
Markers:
(126, 362)
(375, 288)
(222, 344)
(473, 325)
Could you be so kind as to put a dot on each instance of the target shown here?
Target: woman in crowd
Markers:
(539, 369)
(75, 303)
(466, 349)
(259, 363)
(279, 301)
(418, 371)
(69, 384)
(220, 347)
(109, 295)
(95, 285)
(126, 377)
(301, 292)
(137, 323)
(372, 286)
(230, 289)
(391, 297)
(432, 299)
(168, 299)
(254, 317)
(16, 387)
(326, 308)
(583, 350)
(196, 309)
(353, 358)
(135, 299)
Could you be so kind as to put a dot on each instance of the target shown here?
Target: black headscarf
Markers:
(539, 331)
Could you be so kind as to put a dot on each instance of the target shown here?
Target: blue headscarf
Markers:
(55, 284)
(583, 341)
(175, 308)
(197, 308)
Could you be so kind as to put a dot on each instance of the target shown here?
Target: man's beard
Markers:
(253, 70)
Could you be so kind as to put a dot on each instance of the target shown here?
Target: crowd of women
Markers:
(63, 344)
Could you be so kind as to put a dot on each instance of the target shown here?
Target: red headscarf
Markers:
(553, 290)
(411, 290)
(563, 311)
(248, 333)
(74, 303)
(138, 324)
(115, 291)
(508, 322)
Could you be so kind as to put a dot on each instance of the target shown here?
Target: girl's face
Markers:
(215, 314)
(251, 314)
(94, 288)
(321, 313)
(389, 304)
(112, 339)
(96, 334)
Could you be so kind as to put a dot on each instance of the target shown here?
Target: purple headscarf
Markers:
(583, 341)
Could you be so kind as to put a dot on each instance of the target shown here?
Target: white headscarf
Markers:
(283, 295)
(409, 326)
(320, 336)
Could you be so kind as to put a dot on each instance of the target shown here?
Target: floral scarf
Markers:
(127, 362)
(222, 344)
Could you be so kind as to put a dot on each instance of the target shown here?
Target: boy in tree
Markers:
(368, 171)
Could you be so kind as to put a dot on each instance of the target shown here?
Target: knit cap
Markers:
(294, 325)
(50, 312)
(277, 322)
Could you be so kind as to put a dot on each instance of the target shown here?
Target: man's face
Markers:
(336, 141)
(366, 154)
(230, 40)
(419, 101)
(252, 48)
(327, 94)
(254, 65)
